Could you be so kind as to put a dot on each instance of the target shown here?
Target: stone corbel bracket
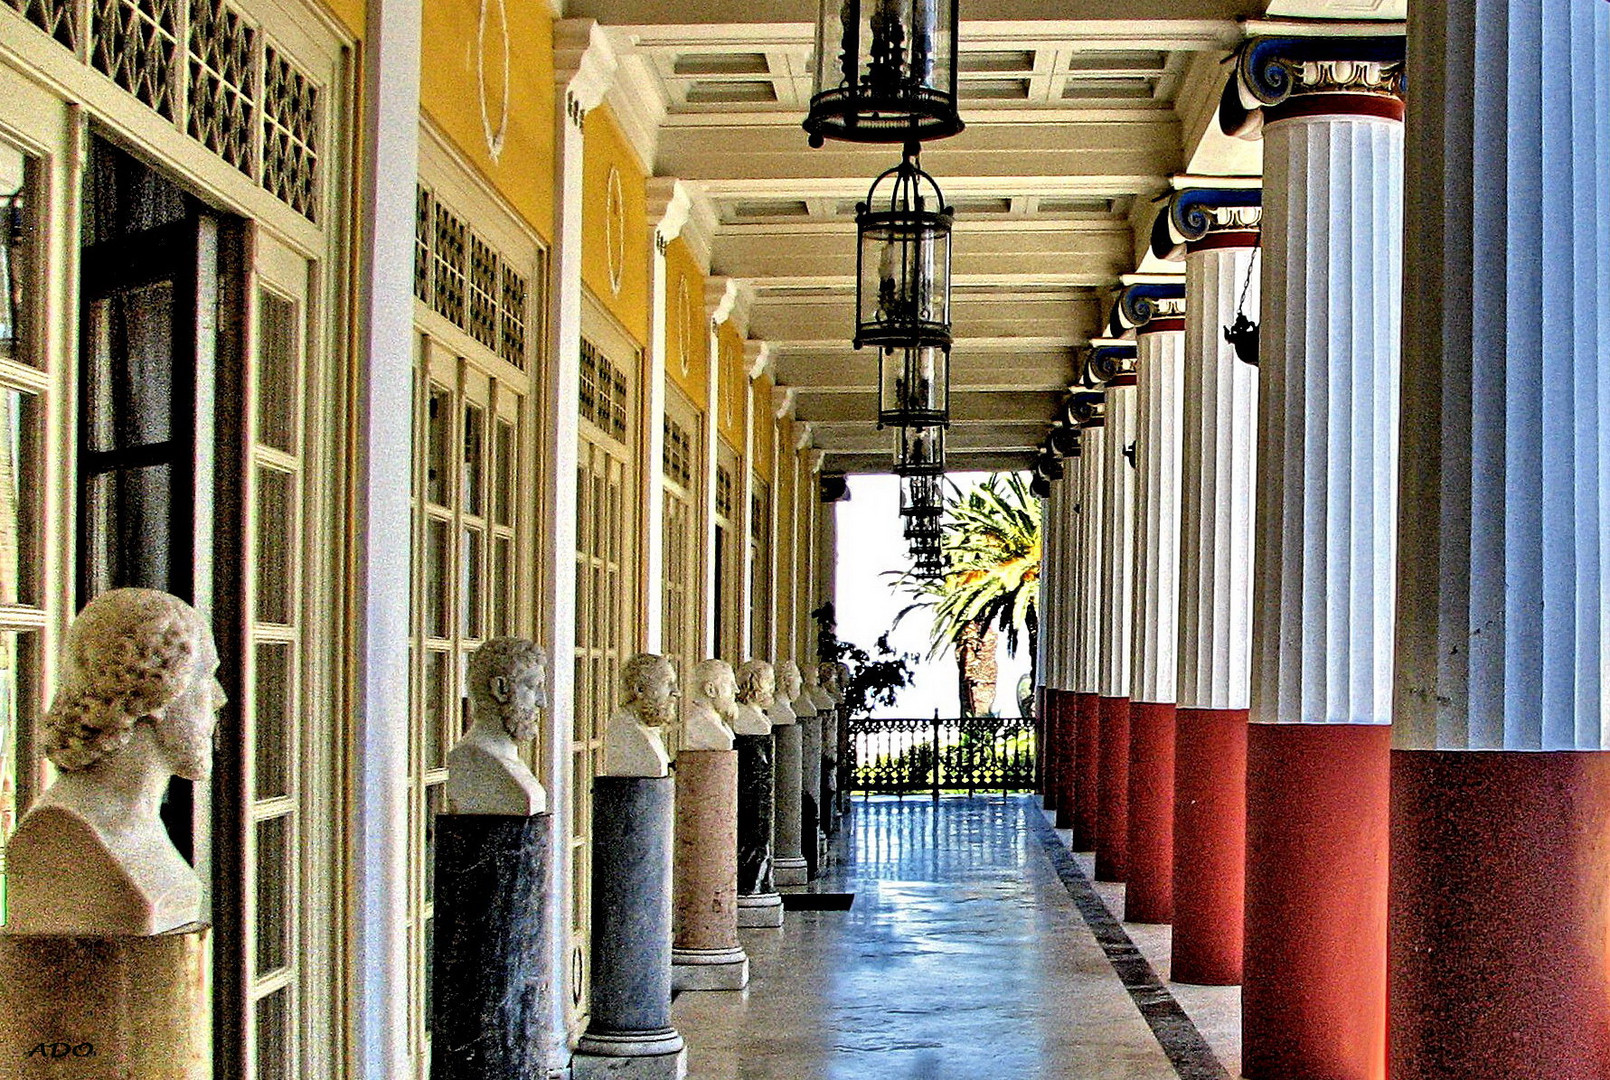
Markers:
(782, 402)
(1277, 77)
(1138, 307)
(758, 358)
(1192, 215)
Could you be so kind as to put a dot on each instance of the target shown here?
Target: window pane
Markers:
(474, 439)
(437, 556)
(277, 371)
(274, 694)
(130, 368)
(276, 525)
(438, 418)
(503, 586)
(18, 669)
(433, 713)
(275, 874)
(19, 497)
(434, 798)
(471, 623)
(507, 471)
(129, 512)
(16, 257)
(274, 1042)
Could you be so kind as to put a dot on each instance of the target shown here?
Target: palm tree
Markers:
(992, 584)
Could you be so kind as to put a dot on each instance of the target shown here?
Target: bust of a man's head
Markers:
(714, 685)
(136, 656)
(757, 683)
(788, 680)
(648, 684)
(508, 684)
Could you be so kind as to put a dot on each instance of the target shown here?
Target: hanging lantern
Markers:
(885, 71)
(902, 295)
(919, 451)
(922, 496)
(913, 386)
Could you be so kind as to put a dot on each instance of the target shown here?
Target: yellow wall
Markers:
(733, 384)
(607, 149)
(765, 428)
(683, 278)
(350, 14)
(451, 68)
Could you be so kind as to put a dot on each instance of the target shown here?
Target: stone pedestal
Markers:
(810, 778)
(630, 1032)
(832, 727)
(758, 901)
(705, 954)
(94, 1008)
(490, 988)
(788, 864)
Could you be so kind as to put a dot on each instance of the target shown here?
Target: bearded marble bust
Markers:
(136, 706)
(757, 687)
(801, 699)
(508, 684)
(712, 706)
(633, 744)
(782, 712)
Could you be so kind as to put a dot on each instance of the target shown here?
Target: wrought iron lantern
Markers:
(885, 71)
(922, 495)
(913, 386)
(919, 450)
(902, 298)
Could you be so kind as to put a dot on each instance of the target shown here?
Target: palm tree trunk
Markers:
(976, 670)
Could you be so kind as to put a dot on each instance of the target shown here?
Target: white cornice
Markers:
(638, 103)
(728, 300)
(758, 358)
(782, 402)
(680, 209)
(584, 64)
(1322, 28)
(807, 436)
(1189, 181)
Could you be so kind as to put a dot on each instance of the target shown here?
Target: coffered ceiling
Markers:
(1079, 114)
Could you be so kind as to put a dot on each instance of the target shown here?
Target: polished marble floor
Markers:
(963, 956)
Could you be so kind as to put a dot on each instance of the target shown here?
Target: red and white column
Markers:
(1114, 602)
(1158, 315)
(1314, 982)
(1218, 470)
(1499, 903)
(1089, 590)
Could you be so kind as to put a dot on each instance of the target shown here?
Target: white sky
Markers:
(870, 542)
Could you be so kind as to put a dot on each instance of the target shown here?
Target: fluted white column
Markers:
(1092, 469)
(1314, 981)
(1117, 547)
(1160, 369)
(1505, 529)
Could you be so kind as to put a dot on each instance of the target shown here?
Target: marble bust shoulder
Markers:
(712, 706)
(508, 684)
(782, 709)
(757, 687)
(801, 700)
(136, 705)
(633, 744)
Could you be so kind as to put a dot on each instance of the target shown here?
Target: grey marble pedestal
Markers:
(630, 1033)
(788, 861)
(810, 828)
(490, 989)
(758, 901)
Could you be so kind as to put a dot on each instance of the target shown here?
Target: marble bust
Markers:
(508, 683)
(800, 698)
(757, 687)
(813, 686)
(633, 745)
(135, 706)
(835, 675)
(712, 705)
(782, 712)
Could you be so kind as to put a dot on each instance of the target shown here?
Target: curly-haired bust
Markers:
(508, 684)
(136, 705)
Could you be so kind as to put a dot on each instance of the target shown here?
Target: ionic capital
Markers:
(1148, 307)
(1207, 217)
(1280, 78)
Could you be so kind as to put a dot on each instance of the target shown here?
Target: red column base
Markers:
(1210, 843)
(1066, 723)
(1313, 998)
(1500, 905)
(1112, 820)
(1086, 772)
(1149, 897)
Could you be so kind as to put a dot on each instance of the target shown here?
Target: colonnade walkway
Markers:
(976, 946)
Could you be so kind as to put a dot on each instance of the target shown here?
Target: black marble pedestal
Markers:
(491, 995)
(631, 933)
(758, 902)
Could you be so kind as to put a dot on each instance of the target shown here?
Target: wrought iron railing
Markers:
(902, 756)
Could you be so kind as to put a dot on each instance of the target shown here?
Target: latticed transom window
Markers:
(678, 454)
(724, 491)
(221, 82)
(463, 276)
(605, 392)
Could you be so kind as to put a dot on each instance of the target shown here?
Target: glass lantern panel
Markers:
(914, 386)
(920, 450)
(905, 279)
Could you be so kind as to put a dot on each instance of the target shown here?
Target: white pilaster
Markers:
(1506, 472)
(378, 1024)
(1326, 516)
(1160, 367)
(1218, 478)
(1115, 595)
